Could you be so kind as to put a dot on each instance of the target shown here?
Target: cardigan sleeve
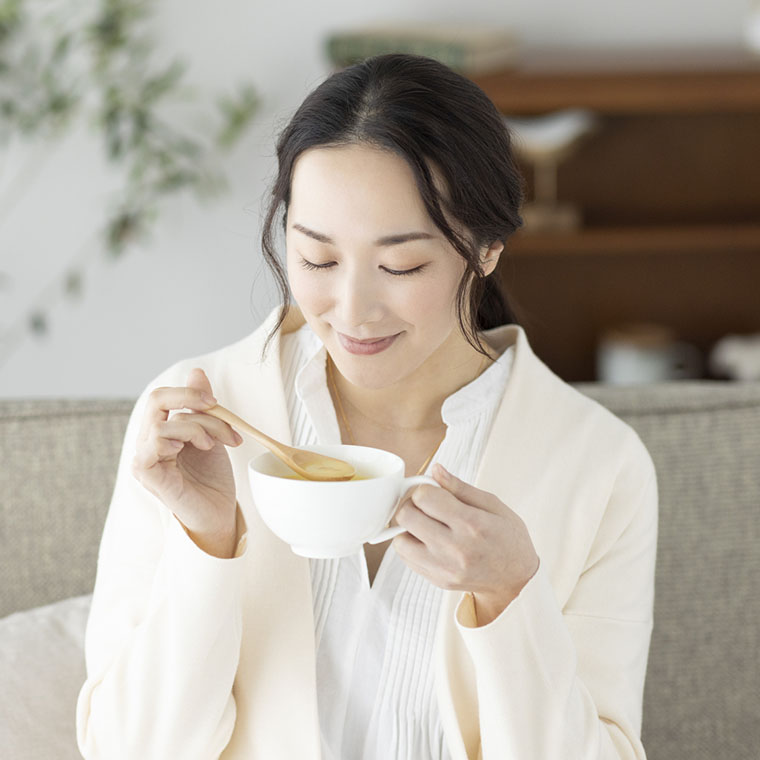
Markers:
(163, 637)
(569, 682)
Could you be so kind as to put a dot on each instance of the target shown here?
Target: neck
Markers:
(413, 404)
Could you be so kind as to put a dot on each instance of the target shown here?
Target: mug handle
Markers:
(404, 486)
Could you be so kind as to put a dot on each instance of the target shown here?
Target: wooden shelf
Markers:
(567, 301)
(714, 238)
(668, 187)
(619, 82)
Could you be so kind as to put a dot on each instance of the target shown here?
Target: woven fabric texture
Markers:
(702, 698)
(58, 468)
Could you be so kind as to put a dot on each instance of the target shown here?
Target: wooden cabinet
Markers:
(669, 191)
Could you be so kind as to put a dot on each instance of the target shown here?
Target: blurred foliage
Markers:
(57, 62)
(61, 60)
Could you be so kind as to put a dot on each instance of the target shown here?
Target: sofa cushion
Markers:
(59, 465)
(42, 662)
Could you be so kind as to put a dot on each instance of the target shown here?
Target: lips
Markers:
(366, 340)
(366, 346)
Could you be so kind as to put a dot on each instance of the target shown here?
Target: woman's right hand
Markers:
(183, 462)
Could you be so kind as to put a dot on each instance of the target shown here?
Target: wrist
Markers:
(489, 605)
(219, 541)
(218, 544)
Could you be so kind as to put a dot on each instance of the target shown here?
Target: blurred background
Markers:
(137, 145)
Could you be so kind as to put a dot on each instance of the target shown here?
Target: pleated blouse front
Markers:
(374, 642)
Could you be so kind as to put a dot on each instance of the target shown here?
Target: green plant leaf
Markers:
(10, 18)
(38, 323)
(157, 158)
(156, 86)
(73, 284)
(237, 113)
(122, 230)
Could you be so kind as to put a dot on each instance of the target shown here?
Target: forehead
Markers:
(356, 184)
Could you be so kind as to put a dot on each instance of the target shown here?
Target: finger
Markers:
(418, 558)
(216, 429)
(436, 503)
(420, 525)
(465, 492)
(160, 450)
(154, 451)
(161, 401)
(198, 379)
(411, 550)
(187, 432)
(180, 432)
(166, 439)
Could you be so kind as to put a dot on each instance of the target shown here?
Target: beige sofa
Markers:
(702, 699)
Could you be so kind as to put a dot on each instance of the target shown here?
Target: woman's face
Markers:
(366, 263)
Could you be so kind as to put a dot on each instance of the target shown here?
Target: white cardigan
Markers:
(192, 656)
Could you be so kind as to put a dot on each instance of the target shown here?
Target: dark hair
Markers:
(431, 117)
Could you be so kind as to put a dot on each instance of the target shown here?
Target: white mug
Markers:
(326, 519)
(645, 353)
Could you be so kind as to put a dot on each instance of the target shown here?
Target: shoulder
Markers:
(548, 423)
(564, 409)
(604, 453)
(594, 424)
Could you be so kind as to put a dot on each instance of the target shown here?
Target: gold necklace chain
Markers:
(348, 427)
(331, 379)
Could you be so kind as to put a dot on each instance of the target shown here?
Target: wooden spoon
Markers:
(308, 464)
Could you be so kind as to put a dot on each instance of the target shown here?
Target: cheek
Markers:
(307, 291)
(435, 300)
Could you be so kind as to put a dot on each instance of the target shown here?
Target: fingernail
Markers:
(207, 398)
(238, 437)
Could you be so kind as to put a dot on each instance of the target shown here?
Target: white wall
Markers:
(198, 284)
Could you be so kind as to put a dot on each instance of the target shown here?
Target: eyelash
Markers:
(395, 272)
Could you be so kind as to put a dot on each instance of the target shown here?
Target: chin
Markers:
(374, 373)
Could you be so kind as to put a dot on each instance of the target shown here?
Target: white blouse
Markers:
(374, 643)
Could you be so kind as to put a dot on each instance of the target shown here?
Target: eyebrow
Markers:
(388, 240)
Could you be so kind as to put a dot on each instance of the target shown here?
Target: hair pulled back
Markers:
(430, 116)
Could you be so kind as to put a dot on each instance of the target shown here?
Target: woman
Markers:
(512, 618)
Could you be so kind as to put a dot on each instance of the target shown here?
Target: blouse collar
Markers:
(479, 395)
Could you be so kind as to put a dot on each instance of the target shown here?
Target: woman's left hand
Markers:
(465, 539)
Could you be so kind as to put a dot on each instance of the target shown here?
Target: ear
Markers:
(489, 257)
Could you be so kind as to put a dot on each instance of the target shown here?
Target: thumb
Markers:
(197, 379)
(465, 492)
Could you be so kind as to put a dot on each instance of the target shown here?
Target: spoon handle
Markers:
(231, 418)
(311, 468)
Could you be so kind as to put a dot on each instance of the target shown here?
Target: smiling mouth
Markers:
(366, 340)
(367, 346)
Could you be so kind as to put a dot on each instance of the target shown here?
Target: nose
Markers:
(358, 299)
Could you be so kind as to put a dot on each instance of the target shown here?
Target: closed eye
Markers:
(402, 272)
(309, 265)
(329, 264)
